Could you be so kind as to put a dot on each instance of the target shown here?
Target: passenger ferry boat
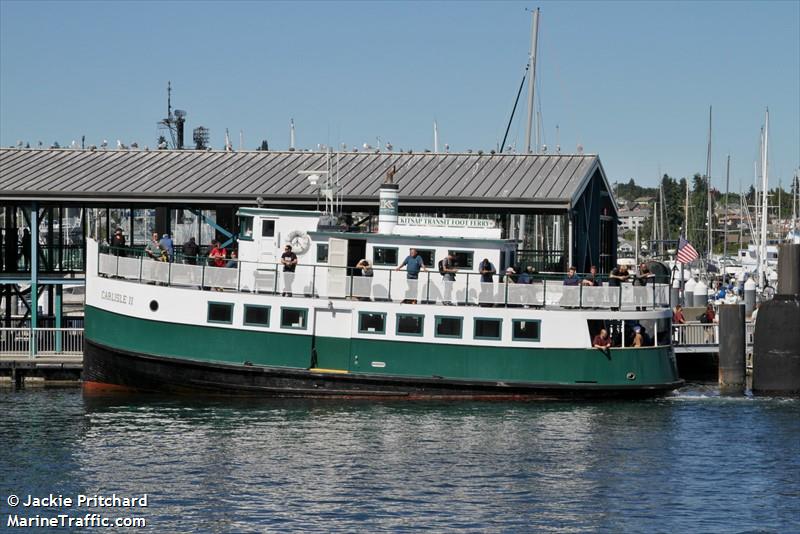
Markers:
(325, 331)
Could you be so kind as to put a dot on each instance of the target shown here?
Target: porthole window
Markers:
(153, 305)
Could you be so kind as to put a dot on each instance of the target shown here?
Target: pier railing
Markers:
(704, 334)
(385, 284)
(41, 341)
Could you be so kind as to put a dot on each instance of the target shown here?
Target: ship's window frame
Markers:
(413, 334)
(226, 305)
(245, 228)
(377, 261)
(363, 314)
(322, 258)
(304, 314)
(438, 320)
(515, 337)
(468, 255)
(255, 323)
(497, 320)
(428, 256)
(267, 227)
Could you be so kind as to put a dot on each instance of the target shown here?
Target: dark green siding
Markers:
(197, 342)
(504, 362)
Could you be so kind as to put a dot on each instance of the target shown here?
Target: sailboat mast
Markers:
(532, 80)
(727, 190)
(710, 242)
(765, 202)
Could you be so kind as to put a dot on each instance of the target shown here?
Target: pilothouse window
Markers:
(245, 228)
(268, 228)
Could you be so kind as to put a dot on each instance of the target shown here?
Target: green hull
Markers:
(624, 368)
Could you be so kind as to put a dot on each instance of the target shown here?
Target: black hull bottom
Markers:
(112, 369)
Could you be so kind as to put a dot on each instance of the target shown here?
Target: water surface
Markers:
(693, 462)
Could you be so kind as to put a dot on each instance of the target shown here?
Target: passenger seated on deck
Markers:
(601, 340)
(638, 338)
(572, 277)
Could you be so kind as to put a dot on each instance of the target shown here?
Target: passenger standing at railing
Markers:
(365, 291)
(234, 261)
(289, 261)
(413, 264)
(639, 283)
(190, 252)
(218, 254)
(118, 243)
(487, 271)
(154, 250)
(449, 271)
(166, 242)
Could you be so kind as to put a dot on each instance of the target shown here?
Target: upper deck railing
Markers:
(386, 284)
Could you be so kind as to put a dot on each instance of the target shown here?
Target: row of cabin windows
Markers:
(375, 322)
(222, 312)
(445, 326)
(390, 256)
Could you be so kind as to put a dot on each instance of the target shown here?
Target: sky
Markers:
(630, 81)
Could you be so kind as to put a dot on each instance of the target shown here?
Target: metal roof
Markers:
(215, 177)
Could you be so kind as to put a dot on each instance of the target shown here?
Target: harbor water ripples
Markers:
(693, 462)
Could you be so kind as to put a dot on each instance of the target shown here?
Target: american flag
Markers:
(686, 252)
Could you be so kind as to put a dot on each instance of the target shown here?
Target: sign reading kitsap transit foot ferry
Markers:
(326, 328)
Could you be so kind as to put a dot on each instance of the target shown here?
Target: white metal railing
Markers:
(386, 284)
(699, 334)
(41, 341)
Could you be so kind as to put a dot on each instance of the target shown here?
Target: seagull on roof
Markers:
(104, 144)
(121, 145)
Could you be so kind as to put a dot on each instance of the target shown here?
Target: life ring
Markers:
(299, 241)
